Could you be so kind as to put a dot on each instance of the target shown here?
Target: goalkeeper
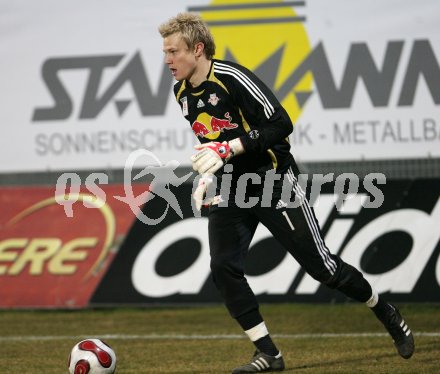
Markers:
(243, 129)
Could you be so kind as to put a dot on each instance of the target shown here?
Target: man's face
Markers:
(179, 58)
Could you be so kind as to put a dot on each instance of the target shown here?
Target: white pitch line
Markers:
(199, 337)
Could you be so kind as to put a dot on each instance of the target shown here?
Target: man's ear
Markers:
(198, 49)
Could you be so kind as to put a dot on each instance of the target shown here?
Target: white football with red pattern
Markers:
(92, 356)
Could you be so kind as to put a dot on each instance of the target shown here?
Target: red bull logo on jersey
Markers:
(206, 126)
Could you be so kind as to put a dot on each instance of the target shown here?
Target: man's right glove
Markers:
(200, 192)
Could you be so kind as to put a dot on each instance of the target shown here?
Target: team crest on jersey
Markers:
(213, 99)
(184, 101)
(254, 134)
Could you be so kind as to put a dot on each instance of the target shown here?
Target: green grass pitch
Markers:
(314, 338)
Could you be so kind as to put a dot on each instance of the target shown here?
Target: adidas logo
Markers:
(261, 364)
(405, 328)
(281, 204)
(200, 103)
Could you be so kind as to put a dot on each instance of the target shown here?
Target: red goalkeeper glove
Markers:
(214, 155)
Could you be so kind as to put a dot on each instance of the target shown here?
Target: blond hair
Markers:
(193, 29)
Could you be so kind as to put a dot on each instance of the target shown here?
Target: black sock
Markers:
(266, 345)
(252, 319)
(381, 309)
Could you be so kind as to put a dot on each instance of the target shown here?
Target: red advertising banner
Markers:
(48, 259)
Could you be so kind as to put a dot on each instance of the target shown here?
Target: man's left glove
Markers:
(214, 155)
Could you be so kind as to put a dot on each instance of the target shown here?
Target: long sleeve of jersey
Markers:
(267, 121)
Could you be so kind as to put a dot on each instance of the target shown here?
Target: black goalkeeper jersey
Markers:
(233, 102)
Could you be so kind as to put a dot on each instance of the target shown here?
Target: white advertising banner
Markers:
(83, 84)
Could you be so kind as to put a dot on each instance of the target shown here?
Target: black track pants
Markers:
(231, 230)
